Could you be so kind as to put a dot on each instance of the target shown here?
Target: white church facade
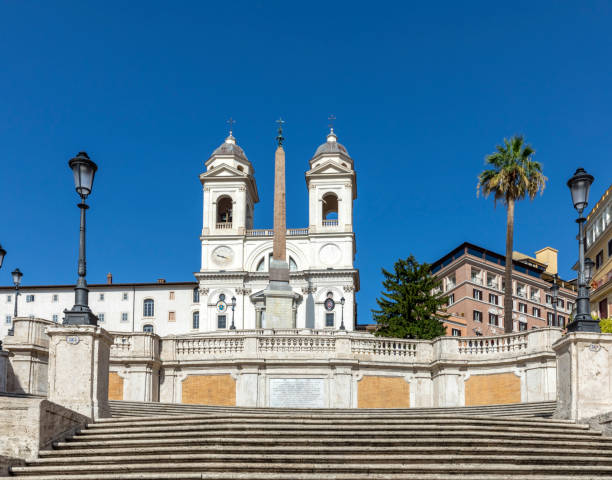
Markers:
(235, 260)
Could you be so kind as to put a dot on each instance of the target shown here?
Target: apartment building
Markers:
(472, 278)
(598, 229)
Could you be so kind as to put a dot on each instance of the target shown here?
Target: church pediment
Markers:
(329, 168)
(223, 171)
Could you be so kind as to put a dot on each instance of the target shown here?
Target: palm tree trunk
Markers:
(508, 323)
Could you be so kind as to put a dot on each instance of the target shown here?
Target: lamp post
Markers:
(554, 290)
(84, 171)
(579, 186)
(17, 275)
(233, 327)
(342, 314)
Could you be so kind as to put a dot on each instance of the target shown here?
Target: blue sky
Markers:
(422, 91)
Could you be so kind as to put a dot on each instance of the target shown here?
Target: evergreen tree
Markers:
(411, 303)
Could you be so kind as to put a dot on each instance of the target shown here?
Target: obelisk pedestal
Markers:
(279, 295)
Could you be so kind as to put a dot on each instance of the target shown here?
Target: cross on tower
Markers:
(231, 122)
(331, 119)
(279, 137)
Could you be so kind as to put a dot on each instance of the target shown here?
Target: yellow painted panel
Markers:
(493, 389)
(210, 390)
(115, 386)
(383, 392)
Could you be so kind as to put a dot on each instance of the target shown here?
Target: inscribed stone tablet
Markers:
(297, 392)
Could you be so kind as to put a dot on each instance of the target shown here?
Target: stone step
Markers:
(239, 427)
(356, 459)
(322, 419)
(344, 434)
(451, 449)
(476, 440)
(237, 468)
(314, 476)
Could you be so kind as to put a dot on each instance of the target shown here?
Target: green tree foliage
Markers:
(605, 324)
(512, 176)
(410, 304)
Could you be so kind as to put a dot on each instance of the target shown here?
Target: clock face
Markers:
(222, 255)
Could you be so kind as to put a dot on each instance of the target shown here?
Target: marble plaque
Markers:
(297, 392)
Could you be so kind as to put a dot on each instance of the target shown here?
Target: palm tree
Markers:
(512, 176)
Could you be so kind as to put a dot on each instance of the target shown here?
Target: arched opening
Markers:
(148, 308)
(224, 210)
(148, 328)
(241, 168)
(330, 208)
(292, 265)
(261, 266)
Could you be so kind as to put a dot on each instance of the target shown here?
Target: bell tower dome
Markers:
(332, 187)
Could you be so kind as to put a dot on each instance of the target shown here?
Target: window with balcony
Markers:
(451, 282)
(521, 290)
(550, 319)
(560, 303)
(476, 276)
(549, 299)
(224, 212)
(534, 294)
(477, 294)
(329, 209)
(492, 281)
(536, 312)
(494, 299)
(522, 307)
(477, 316)
(493, 319)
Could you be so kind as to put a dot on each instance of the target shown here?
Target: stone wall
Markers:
(29, 424)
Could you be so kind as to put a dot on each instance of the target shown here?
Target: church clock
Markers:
(222, 255)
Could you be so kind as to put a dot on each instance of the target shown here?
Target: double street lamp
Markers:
(17, 275)
(579, 186)
(84, 171)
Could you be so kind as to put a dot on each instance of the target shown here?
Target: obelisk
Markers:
(279, 295)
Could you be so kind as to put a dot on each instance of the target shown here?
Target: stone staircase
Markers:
(157, 441)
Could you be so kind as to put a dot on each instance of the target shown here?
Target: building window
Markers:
(148, 328)
(9, 298)
(8, 319)
(148, 308)
(561, 321)
(520, 290)
(570, 307)
(599, 260)
(535, 295)
(224, 210)
(455, 332)
(450, 282)
(536, 312)
(171, 296)
(330, 207)
(451, 299)
(29, 298)
(54, 298)
(494, 299)
(550, 319)
(477, 316)
(124, 317)
(491, 280)
(329, 319)
(549, 299)
(476, 276)
(610, 249)
(522, 326)
(101, 317)
(560, 303)
(125, 296)
(101, 297)
(171, 317)
(522, 307)
(221, 321)
(477, 294)
(196, 320)
(196, 295)
(493, 319)
(55, 318)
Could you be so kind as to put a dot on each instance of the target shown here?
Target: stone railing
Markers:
(223, 226)
(30, 332)
(267, 232)
(330, 223)
(274, 344)
(205, 347)
(386, 348)
(138, 346)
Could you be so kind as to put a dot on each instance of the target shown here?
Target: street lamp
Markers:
(84, 171)
(17, 275)
(579, 186)
(342, 315)
(233, 327)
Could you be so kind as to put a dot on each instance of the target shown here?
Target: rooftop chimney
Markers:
(161, 280)
(109, 278)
